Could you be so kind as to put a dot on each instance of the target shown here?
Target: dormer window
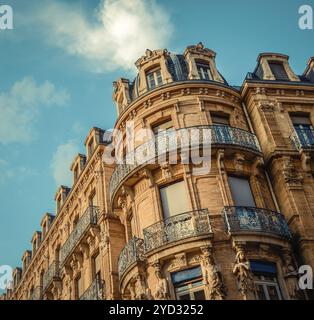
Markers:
(58, 204)
(154, 78)
(75, 173)
(91, 147)
(278, 70)
(203, 70)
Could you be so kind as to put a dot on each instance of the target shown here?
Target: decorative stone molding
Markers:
(141, 291)
(239, 161)
(291, 176)
(265, 106)
(179, 261)
(166, 170)
(306, 161)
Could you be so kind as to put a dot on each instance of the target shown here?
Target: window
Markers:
(79, 287)
(241, 192)
(304, 129)
(154, 79)
(203, 70)
(75, 173)
(93, 200)
(58, 204)
(91, 147)
(278, 70)
(220, 119)
(169, 198)
(97, 269)
(188, 284)
(163, 126)
(265, 280)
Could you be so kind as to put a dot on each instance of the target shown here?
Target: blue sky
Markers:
(58, 64)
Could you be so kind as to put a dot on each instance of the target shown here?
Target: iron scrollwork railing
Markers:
(250, 219)
(90, 217)
(37, 293)
(173, 140)
(53, 272)
(95, 291)
(182, 226)
(303, 138)
(131, 253)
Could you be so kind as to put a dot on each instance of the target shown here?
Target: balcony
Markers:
(37, 293)
(53, 273)
(303, 138)
(174, 140)
(89, 218)
(183, 226)
(95, 291)
(255, 220)
(133, 252)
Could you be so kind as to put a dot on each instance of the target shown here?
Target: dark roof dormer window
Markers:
(204, 71)
(154, 78)
(278, 70)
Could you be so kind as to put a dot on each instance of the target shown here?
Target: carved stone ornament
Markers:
(161, 292)
(241, 269)
(292, 177)
(178, 262)
(212, 277)
(141, 291)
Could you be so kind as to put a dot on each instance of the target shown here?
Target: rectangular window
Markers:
(204, 72)
(174, 199)
(93, 200)
(188, 284)
(79, 287)
(265, 280)
(91, 147)
(241, 192)
(304, 129)
(154, 79)
(75, 173)
(278, 70)
(166, 125)
(220, 119)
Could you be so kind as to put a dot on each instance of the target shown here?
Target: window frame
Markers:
(156, 80)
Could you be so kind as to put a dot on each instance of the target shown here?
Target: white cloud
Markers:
(61, 162)
(122, 31)
(20, 106)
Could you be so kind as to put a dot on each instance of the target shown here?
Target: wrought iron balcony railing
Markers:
(95, 291)
(131, 253)
(90, 217)
(179, 227)
(52, 273)
(303, 138)
(37, 293)
(173, 140)
(255, 220)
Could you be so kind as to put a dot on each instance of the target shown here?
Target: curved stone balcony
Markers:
(250, 220)
(51, 274)
(303, 139)
(89, 218)
(182, 226)
(181, 139)
(130, 254)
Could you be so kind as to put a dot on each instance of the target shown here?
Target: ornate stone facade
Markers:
(120, 231)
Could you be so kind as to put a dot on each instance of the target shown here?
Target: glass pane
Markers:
(278, 71)
(159, 78)
(199, 295)
(260, 292)
(241, 192)
(169, 197)
(272, 291)
(185, 297)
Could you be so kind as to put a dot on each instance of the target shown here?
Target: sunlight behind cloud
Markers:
(122, 31)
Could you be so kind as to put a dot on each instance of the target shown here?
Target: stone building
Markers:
(170, 229)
